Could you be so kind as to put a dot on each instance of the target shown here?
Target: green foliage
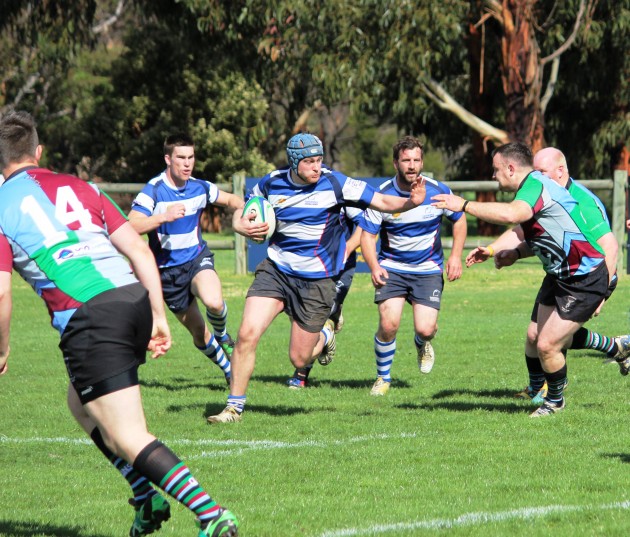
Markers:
(242, 74)
(589, 119)
(166, 81)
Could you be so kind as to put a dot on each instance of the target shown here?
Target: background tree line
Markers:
(108, 79)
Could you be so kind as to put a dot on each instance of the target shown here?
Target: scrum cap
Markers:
(303, 145)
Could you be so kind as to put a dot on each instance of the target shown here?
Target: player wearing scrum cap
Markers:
(304, 256)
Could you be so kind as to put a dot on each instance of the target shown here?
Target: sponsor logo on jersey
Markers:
(69, 253)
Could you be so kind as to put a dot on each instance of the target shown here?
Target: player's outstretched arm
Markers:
(395, 204)
(229, 200)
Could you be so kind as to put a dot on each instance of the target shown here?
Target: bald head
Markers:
(553, 164)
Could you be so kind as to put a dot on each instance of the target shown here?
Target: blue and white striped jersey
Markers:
(175, 243)
(309, 241)
(410, 241)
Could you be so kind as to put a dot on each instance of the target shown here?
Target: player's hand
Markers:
(450, 202)
(160, 341)
(159, 345)
(478, 255)
(418, 191)
(246, 226)
(505, 258)
(453, 268)
(175, 211)
(379, 277)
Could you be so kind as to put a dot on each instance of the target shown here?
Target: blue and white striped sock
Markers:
(384, 352)
(214, 351)
(218, 321)
(237, 401)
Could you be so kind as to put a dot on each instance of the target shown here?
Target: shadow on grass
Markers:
(19, 528)
(183, 384)
(468, 407)
(496, 394)
(314, 382)
(282, 411)
(361, 384)
(623, 457)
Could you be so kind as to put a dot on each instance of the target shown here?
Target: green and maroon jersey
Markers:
(558, 232)
(54, 230)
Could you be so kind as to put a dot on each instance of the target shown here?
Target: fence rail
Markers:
(618, 186)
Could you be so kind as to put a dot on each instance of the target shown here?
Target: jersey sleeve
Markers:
(371, 221)
(144, 202)
(6, 255)
(113, 215)
(213, 192)
(592, 214)
(531, 193)
(357, 193)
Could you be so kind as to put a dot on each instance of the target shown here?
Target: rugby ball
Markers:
(263, 212)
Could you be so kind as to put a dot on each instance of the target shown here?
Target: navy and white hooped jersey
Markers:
(175, 243)
(309, 241)
(410, 241)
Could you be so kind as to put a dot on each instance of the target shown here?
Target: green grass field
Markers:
(450, 453)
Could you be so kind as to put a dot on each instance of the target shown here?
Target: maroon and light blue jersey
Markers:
(178, 242)
(54, 230)
(558, 232)
(309, 241)
(410, 241)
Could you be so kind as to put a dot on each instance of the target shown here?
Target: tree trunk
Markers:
(622, 162)
(481, 107)
(521, 74)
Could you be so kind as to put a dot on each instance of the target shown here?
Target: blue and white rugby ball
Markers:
(263, 212)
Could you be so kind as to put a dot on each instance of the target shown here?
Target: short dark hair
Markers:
(180, 139)
(18, 137)
(516, 151)
(406, 143)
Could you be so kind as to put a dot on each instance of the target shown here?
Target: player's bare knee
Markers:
(387, 332)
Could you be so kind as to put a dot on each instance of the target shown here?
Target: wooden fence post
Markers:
(240, 244)
(620, 178)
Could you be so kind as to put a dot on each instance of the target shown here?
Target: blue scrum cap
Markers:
(303, 145)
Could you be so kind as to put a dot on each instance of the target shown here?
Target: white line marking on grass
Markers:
(38, 440)
(236, 447)
(470, 519)
(225, 447)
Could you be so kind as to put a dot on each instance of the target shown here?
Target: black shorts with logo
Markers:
(575, 299)
(176, 281)
(106, 340)
(307, 302)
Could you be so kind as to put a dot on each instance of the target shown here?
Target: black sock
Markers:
(302, 373)
(139, 484)
(556, 382)
(536, 372)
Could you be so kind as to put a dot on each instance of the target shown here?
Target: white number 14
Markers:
(68, 209)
